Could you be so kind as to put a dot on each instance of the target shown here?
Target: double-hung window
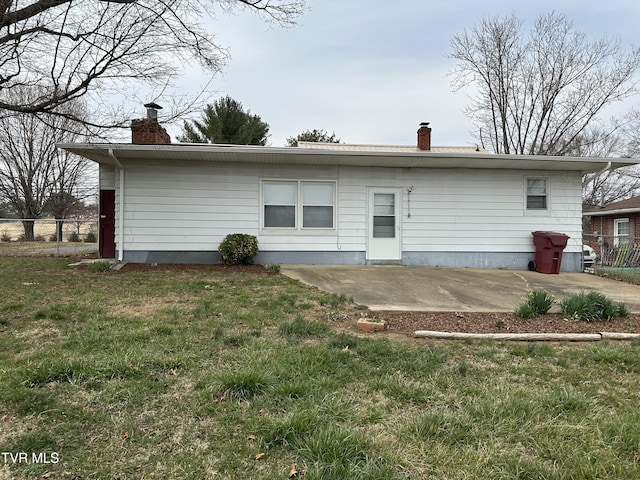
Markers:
(537, 193)
(298, 204)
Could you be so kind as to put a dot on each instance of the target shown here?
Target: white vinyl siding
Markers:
(192, 206)
(187, 207)
(107, 177)
(461, 210)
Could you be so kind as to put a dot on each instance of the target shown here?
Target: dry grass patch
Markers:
(150, 306)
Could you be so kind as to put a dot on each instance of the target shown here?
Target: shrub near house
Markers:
(238, 248)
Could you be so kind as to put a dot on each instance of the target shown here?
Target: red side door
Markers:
(107, 240)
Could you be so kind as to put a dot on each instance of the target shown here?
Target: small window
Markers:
(537, 193)
(621, 231)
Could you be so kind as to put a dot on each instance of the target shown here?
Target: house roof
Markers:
(631, 205)
(352, 147)
(358, 156)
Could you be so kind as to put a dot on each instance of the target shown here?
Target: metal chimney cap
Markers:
(153, 105)
(424, 124)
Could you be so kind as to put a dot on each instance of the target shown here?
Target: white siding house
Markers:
(338, 204)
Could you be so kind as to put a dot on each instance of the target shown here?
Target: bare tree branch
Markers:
(55, 51)
(539, 95)
(33, 171)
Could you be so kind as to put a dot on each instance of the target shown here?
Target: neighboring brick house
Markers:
(616, 222)
(614, 225)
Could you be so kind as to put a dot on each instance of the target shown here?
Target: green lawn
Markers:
(629, 275)
(196, 374)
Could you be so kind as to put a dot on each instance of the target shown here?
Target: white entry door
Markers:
(384, 224)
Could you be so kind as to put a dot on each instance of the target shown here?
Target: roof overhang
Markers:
(108, 153)
(618, 211)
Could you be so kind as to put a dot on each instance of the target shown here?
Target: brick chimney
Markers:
(148, 130)
(424, 136)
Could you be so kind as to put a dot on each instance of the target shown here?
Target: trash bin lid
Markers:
(556, 238)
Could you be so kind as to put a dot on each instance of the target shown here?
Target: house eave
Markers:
(619, 211)
(308, 156)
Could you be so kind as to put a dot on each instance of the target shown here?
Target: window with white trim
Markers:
(298, 204)
(537, 193)
(620, 231)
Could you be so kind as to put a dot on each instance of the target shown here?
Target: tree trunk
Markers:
(28, 226)
(59, 223)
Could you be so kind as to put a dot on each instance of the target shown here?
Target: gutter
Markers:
(375, 157)
(611, 212)
(121, 206)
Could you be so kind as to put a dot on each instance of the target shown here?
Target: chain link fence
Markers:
(620, 251)
(48, 236)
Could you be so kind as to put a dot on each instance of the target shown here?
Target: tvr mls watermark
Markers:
(32, 457)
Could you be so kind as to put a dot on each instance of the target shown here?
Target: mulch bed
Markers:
(476, 322)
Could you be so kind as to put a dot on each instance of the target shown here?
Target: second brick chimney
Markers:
(148, 130)
(424, 136)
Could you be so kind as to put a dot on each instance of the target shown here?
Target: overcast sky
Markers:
(372, 70)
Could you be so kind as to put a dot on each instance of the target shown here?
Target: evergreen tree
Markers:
(226, 122)
(312, 136)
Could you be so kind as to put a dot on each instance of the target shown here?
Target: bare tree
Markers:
(631, 133)
(56, 51)
(81, 212)
(539, 94)
(607, 186)
(67, 186)
(35, 176)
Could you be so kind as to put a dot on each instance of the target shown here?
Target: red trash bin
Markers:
(549, 247)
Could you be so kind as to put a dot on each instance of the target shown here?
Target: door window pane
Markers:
(384, 227)
(384, 204)
(384, 219)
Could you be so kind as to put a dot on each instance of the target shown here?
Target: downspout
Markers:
(121, 206)
(604, 169)
(601, 239)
